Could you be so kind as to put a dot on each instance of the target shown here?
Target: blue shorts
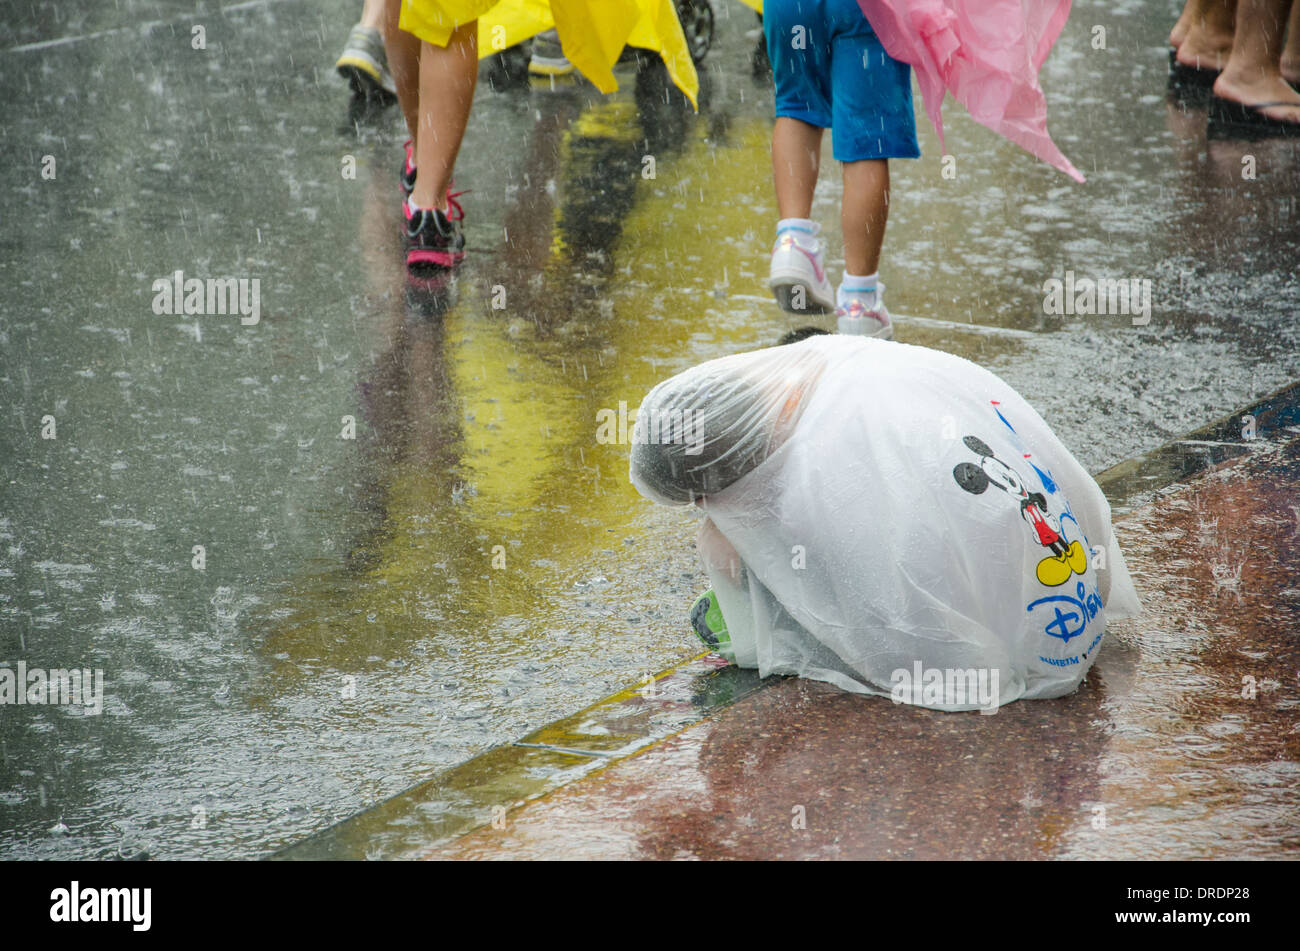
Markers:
(832, 72)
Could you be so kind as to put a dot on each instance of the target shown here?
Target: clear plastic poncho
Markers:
(891, 519)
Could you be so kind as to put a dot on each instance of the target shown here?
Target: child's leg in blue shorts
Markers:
(799, 46)
(831, 71)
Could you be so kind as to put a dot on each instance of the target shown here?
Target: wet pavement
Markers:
(350, 634)
(1183, 743)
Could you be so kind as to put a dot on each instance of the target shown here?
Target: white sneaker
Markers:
(860, 315)
(798, 276)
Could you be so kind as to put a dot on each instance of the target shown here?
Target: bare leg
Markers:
(1179, 32)
(1207, 39)
(1253, 72)
(447, 79)
(864, 213)
(372, 14)
(403, 52)
(1291, 53)
(796, 157)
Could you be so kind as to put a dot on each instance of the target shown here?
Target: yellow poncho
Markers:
(592, 32)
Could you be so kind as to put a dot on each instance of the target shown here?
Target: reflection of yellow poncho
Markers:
(592, 32)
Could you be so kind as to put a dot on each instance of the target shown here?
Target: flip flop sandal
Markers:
(1228, 114)
(1182, 76)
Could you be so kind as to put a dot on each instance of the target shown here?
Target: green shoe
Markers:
(709, 626)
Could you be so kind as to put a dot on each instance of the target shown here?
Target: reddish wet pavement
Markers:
(1183, 743)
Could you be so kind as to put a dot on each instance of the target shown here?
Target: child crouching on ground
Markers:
(874, 509)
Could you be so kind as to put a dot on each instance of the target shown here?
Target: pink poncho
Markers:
(987, 53)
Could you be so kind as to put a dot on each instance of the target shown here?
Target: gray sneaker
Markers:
(365, 65)
(548, 56)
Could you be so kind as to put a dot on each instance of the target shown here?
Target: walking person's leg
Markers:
(1203, 34)
(873, 121)
(797, 44)
(363, 62)
(372, 15)
(1179, 31)
(435, 86)
(404, 62)
(863, 215)
(1291, 52)
(448, 76)
(796, 159)
(1253, 73)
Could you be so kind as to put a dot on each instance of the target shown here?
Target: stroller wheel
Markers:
(696, 17)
